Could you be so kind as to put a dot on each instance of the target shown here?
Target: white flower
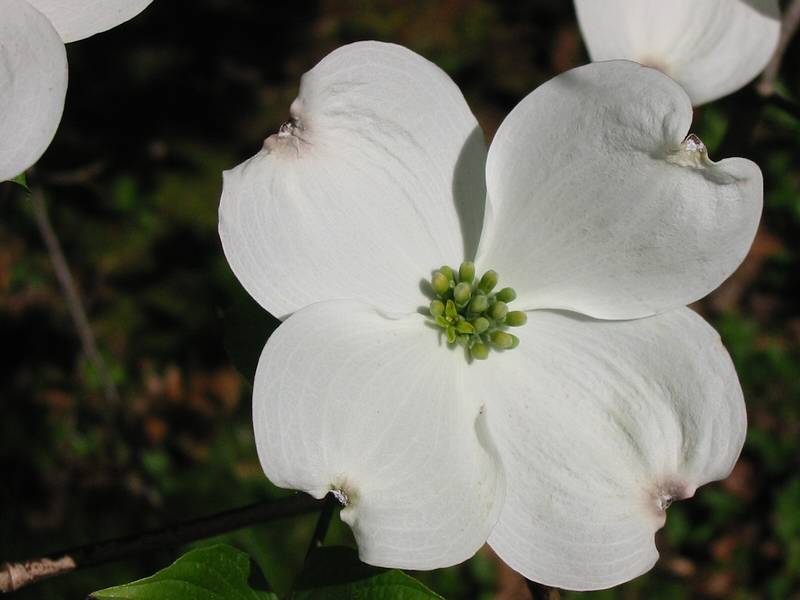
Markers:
(711, 47)
(563, 452)
(33, 68)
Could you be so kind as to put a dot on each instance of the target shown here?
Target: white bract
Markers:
(563, 452)
(711, 47)
(33, 68)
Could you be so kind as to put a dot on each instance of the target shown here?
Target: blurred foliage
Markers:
(156, 109)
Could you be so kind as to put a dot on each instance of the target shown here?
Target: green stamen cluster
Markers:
(470, 313)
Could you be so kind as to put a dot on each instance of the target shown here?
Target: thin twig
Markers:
(323, 523)
(14, 576)
(542, 592)
(791, 20)
(74, 304)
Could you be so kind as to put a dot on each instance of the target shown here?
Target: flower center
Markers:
(471, 314)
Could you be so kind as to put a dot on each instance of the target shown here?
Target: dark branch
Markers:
(323, 523)
(14, 576)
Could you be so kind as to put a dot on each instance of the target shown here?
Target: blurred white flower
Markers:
(711, 47)
(33, 68)
(563, 452)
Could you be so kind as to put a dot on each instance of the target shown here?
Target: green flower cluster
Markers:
(470, 313)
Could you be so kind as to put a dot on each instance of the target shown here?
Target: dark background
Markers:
(156, 109)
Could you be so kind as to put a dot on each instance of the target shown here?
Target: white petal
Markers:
(33, 83)
(365, 193)
(599, 424)
(346, 399)
(78, 19)
(711, 47)
(596, 206)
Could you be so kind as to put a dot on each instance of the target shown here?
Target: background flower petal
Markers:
(596, 206)
(376, 181)
(78, 19)
(346, 399)
(33, 83)
(600, 424)
(712, 48)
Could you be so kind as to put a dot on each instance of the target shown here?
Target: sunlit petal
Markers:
(711, 47)
(376, 180)
(600, 425)
(596, 203)
(33, 83)
(78, 19)
(373, 408)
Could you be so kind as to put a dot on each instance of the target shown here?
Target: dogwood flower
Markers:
(712, 48)
(562, 446)
(33, 68)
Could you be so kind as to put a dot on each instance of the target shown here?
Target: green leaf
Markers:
(21, 180)
(247, 326)
(212, 573)
(335, 573)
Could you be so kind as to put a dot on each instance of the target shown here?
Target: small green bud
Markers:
(502, 340)
(462, 293)
(488, 281)
(479, 351)
(465, 327)
(470, 314)
(481, 324)
(466, 272)
(479, 304)
(447, 272)
(450, 310)
(440, 283)
(499, 311)
(516, 318)
(506, 295)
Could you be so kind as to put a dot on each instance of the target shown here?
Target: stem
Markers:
(323, 523)
(542, 592)
(76, 308)
(791, 20)
(14, 576)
